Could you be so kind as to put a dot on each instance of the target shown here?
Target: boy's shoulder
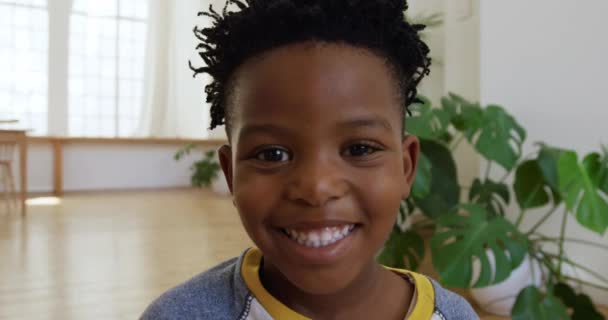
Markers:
(449, 305)
(219, 293)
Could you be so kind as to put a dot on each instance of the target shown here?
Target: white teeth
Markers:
(321, 237)
(344, 230)
(326, 235)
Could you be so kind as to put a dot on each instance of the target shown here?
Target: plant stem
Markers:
(503, 178)
(542, 220)
(488, 168)
(547, 262)
(561, 242)
(520, 218)
(587, 283)
(581, 241)
(418, 226)
(422, 224)
(457, 142)
(579, 266)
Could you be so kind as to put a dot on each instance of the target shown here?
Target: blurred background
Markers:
(96, 97)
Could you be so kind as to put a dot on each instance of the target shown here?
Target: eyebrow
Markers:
(373, 122)
(248, 130)
(355, 123)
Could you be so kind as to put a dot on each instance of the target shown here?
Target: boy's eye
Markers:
(272, 155)
(359, 149)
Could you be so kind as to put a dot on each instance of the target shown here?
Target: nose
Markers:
(316, 181)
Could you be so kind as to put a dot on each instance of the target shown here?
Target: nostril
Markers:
(315, 197)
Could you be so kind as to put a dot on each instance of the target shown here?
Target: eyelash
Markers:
(371, 148)
(269, 149)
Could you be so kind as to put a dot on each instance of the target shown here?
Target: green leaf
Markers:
(531, 304)
(445, 191)
(204, 171)
(582, 306)
(603, 175)
(422, 181)
(548, 158)
(185, 150)
(427, 122)
(547, 161)
(530, 186)
(403, 250)
(462, 237)
(466, 117)
(449, 106)
(492, 195)
(499, 137)
(580, 188)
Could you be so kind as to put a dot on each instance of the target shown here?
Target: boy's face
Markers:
(317, 164)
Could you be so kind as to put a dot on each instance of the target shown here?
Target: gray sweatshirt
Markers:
(233, 291)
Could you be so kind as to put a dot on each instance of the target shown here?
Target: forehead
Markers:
(315, 83)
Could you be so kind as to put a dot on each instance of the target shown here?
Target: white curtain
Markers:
(174, 102)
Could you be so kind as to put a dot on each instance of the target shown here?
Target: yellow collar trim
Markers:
(250, 270)
(425, 295)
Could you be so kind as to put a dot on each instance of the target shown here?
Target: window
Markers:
(106, 66)
(23, 63)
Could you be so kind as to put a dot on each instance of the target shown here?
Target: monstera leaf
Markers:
(582, 306)
(603, 174)
(531, 304)
(579, 184)
(403, 250)
(499, 137)
(422, 181)
(531, 188)
(445, 191)
(466, 116)
(428, 122)
(492, 195)
(468, 233)
(547, 161)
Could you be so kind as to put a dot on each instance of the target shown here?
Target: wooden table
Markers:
(59, 143)
(20, 136)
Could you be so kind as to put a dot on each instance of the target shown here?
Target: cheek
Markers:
(254, 197)
(382, 196)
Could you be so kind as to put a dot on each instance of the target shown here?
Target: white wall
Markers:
(546, 61)
(433, 85)
(109, 167)
(461, 65)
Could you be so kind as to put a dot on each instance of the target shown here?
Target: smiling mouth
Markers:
(322, 237)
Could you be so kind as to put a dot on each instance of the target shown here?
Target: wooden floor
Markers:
(107, 256)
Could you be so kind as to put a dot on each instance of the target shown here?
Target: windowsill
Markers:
(51, 139)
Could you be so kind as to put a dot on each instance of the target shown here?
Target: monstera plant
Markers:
(469, 224)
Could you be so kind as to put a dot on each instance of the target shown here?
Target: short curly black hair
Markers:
(261, 25)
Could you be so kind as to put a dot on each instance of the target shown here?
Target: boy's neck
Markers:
(367, 297)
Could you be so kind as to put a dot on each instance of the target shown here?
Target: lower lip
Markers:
(316, 256)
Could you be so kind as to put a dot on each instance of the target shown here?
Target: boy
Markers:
(313, 94)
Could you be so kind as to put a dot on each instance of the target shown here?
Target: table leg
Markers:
(58, 168)
(23, 173)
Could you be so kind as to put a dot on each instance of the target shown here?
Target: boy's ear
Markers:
(410, 149)
(225, 155)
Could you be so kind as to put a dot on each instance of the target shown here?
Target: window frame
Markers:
(57, 102)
